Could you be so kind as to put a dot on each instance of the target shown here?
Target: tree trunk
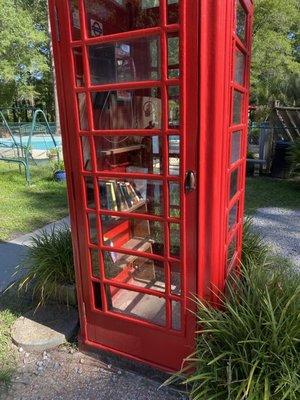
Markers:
(56, 107)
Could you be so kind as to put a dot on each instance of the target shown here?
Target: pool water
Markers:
(37, 142)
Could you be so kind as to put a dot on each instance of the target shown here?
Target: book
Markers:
(117, 195)
(103, 195)
(126, 194)
(124, 205)
(111, 197)
(134, 198)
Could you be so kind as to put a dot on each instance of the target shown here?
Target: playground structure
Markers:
(30, 142)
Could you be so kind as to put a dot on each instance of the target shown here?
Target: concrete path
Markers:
(280, 229)
(12, 253)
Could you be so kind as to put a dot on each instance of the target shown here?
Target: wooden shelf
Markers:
(136, 244)
(120, 150)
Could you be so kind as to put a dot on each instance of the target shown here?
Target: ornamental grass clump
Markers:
(248, 349)
(49, 265)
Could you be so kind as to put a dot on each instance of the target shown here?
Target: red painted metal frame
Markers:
(205, 28)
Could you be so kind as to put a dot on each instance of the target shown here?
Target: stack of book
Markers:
(118, 196)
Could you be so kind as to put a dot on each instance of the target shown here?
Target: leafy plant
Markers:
(58, 166)
(294, 154)
(50, 264)
(248, 349)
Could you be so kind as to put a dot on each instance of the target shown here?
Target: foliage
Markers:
(276, 56)
(249, 348)
(50, 264)
(24, 208)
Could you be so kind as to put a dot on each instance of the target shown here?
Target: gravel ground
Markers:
(280, 229)
(67, 374)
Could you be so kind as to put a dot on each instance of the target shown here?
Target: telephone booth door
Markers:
(128, 87)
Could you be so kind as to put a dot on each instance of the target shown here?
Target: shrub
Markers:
(50, 264)
(248, 349)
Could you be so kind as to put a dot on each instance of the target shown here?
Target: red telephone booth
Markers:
(153, 97)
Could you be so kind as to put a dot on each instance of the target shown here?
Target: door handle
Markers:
(190, 181)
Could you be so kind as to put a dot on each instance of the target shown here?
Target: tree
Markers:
(23, 52)
(276, 52)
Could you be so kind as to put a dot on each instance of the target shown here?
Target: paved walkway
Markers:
(280, 229)
(12, 253)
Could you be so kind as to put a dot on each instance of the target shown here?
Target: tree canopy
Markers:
(276, 52)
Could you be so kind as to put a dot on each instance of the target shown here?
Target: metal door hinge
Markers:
(190, 181)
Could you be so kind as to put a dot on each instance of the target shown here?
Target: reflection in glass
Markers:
(173, 11)
(233, 183)
(176, 315)
(137, 305)
(173, 55)
(135, 153)
(174, 155)
(83, 120)
(78, 66)
(239, 70)
(175, 240)
(133, 234)
(134, 270)
(126, 61)
(237, 107)
(95, 262)
(89, 190)
(93, 229)
(174, 106)
(127, 109)
(233, 216)
(175, 278)
(75, 19)
(86, 153)
(235, 147)
(241, 19)
(174, 194)
(139, 195)
(108, 17)
(232, 248)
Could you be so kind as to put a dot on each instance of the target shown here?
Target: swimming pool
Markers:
(37, 142)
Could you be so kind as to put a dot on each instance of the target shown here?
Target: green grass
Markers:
(25, 208)
(267, 192)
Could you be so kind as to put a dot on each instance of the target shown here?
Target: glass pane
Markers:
(126, 61)
(241, 19)
(133, 270)
(173, 55)
(233, 216)
(93, 229)
(233, 183)
(174, 193)
(235, 147)
(232, 248)
(75, 19)
(95, 263)
(175, 278)
(97, 295)
(83, 120)
(174, 107)
(133, 234)
(78, 66)
(106, 17)
(139, 195)
(137, 305)
(175, 240)
(141, 154)
(237, 107)
(176, 315)
(174, 155)
(86, 153)
(239, 71)
(89, 190)
(173, 11)
(127, 109)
